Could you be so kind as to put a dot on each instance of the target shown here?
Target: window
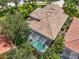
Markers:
(49, 42)
(42, 40)
(66, 53)
(73, 55)
(34, 35)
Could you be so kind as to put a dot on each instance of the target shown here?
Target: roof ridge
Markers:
(48, 21)
(49, 24)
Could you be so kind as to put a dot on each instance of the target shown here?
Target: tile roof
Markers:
(51, 19)
(72, 36)
(36, 14)
(5, 44)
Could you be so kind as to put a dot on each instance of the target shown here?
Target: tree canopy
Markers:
(24, 51)
(71, 7)
(16, 28)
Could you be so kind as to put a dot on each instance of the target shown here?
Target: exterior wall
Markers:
(59, 2)
(66, 53)
(73, 55)
(69, 54)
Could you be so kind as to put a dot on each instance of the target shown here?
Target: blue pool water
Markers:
(38, 45)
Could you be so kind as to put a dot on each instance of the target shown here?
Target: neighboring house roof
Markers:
(49, 21)
(5, 44)
(72, 36)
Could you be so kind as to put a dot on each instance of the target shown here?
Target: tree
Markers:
(24, 51)
(55, 50)
(57, 47)
(15, 28)
(50, 54)
(70, 7)
(16, 2)
(3, 3)
(50, 1)
(25, 9)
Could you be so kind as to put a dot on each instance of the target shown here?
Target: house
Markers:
(45, 25)
(13, 4)
(71, 50)
(5, 44)
(59, 2)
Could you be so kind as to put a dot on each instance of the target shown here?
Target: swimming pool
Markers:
(38, 45)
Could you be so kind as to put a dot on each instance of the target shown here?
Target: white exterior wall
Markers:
(11, 4)
(60, 3)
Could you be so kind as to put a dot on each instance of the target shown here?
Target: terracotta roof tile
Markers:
(51, 21)
(36, 13)
(72, 36)
(74, 46)
(5, 44)
(54, 8)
